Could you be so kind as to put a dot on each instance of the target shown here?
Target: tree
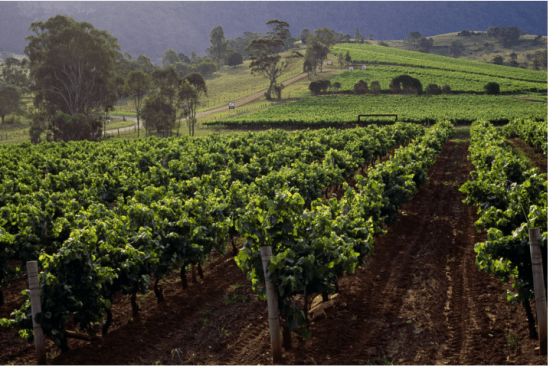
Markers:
(234, 59)
(492, 88)
(498, 60)
(184, 58)
(72, 65)
(166, 81)
(14, 72)
(240, 43)
(65, 127)
(316, 52)
(304, 34)
(183, 69)
(325, 36)
(157, 113)
(347, 57)
(10, 100)
(308, 66)
(457, 48)
(413, 39)
(170, 57)
(265, 58)
(145, 64)
(218, 49)
(358, 38)
(137, 84)
(425, 44)
(540, 60)
(207, 68)
(341, 59)
(192, 87)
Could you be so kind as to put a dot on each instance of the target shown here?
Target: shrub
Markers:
(383, 43)
(375, 88)
(498, 60)
(492, 88)
(433, 89)
(315, 88)
(336, 85)
(325, 84)
(446, 89)
(408, 83)
(361, 88)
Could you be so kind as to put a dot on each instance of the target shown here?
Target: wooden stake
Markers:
(272, 309)
(34, 287)
(538, 282)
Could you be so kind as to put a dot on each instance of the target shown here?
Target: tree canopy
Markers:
(72, 64)
(265, 58)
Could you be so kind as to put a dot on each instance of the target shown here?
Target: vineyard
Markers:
(344, 110)
(392, 242)
(387, 55)
(459, 82)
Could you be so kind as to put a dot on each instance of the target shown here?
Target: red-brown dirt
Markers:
(420, 300)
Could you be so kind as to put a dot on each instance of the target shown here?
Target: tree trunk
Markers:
(135, 307)
(183, 278)
(531, 320)
(108, 321)
(287, 338)
(193, 271)
(235, 250)
(200, 272)
(159, 292)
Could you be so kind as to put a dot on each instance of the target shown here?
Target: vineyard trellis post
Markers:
(34, 288)
(538, 282)
(272, 309)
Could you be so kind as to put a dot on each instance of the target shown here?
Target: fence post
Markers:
(538, 282)
(34, 287)
(272, 309)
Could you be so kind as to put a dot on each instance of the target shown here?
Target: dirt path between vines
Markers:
(420, 300)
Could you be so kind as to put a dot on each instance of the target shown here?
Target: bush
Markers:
(315, 88)
(498, 60)
(375, 88)
(492, 88)
(433, 89)
(409, 84)
(325, 84)
(446, 89)
(361, 88)
(336, 85)
(383, 43)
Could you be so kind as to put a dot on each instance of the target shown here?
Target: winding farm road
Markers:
(238, 103)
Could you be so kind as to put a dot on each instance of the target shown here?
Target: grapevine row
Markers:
(512, 198)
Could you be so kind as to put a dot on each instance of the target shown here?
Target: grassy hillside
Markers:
(475, 49)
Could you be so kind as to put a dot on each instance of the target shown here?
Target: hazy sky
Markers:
(153, 27)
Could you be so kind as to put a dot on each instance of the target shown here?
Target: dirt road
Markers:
(238, 103)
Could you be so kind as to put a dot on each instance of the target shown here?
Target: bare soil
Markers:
(420, 300)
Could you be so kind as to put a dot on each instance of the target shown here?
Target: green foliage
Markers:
(492, 88)
(344, 110)
(72, 65)
(361, 88)
(392, 56)
(10, 100)
(512, 198)
(534, 133)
